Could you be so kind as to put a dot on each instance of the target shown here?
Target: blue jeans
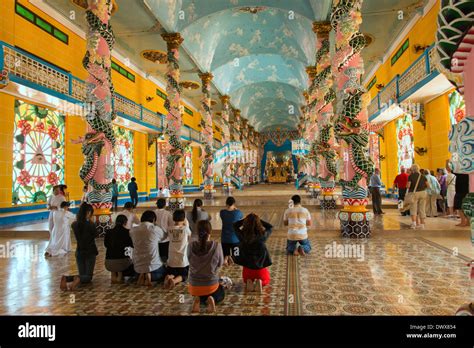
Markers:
(158, 274)
(292, 244)
(85, 265)
(134, 198)
(115, 202)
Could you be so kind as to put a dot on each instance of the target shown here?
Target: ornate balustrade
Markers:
(402, 86)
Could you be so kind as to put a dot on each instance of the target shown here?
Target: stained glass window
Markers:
(123, 157)
(38, 153)
(406, 149)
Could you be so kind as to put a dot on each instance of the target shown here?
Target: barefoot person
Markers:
(253, 254)
(60, 238)
(53, 204)
(298, 219)
(86, 252)
(205, 259)
(229, 239)
(179, 236)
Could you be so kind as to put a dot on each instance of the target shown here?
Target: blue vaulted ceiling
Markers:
(258, 59)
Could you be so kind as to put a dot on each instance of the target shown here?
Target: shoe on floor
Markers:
(421, 226)
(413, 226)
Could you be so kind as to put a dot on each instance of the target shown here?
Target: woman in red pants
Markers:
(252, 252)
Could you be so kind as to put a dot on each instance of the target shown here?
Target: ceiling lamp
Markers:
(155, 56)
(368, 39)
(83, 4)
(253, 9)
(190, 85)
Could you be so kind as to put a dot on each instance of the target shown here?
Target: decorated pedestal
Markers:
(355, 219)
(102, 217)
(314, 190)
(328, 198)
(227, 188)
(176, 201)
(209, 192)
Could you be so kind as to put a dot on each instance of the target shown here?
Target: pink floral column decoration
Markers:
(208, 136)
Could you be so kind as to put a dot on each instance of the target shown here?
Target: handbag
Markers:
(410, 196)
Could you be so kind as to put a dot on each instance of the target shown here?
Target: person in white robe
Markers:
(53, 204)
(60, 238)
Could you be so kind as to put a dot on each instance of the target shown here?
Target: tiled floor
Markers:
(399, 272)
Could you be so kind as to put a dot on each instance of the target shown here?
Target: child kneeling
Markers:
(179, 236)
(252, 253)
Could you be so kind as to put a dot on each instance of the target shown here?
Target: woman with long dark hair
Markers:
(253, 254)
(205, 258)
(195, 215)
(117, 241)
(86, 252)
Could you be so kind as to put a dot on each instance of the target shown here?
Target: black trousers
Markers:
(401, 194)
(376, 200)
(134, 198)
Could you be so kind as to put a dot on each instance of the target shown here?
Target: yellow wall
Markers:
(422, 33)
(17, 31)
(434, 138)
(7, 104)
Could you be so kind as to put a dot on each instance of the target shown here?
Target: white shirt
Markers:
(132, 218)
(55, 201)
(451, 182)
(146, 254)
(164, 219)
(179, 237)
(297, 218)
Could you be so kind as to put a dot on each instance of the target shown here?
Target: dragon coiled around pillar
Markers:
(324, 149)
(99, 142)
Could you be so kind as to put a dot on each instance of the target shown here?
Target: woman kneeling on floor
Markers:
(252, 251)
(205, 258)
(117, 241)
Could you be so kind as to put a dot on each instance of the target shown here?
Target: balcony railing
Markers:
(402, 86)
(36, 73)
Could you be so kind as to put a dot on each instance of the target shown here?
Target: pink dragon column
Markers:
(98, 143)
(208, 135)
(226, 171)
(455, 47)
(237, 170)
(351, 117)
(325, 95)
(174, 170)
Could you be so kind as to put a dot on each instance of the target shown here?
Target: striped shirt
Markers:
(297, 218)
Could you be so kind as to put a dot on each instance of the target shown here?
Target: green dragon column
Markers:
(208, 137)
(351, 115)
(174, 120)
(226, 173)
(99, 141)
(237, 170)
(325, 95)
(455, 47)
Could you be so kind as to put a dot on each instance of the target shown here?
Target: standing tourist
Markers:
(432, 192)
(400, 182)
(375, 186)
(133, 190)
(462, 189)
(442, 177)
(417, 184)
(451, 191)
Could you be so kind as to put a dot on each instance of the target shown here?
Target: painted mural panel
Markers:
(123, 157)
(457, 107)
(374, 149)
(405, 141)
(38, 153)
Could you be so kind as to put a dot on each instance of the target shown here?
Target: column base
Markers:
(355, 224)
(208, 195)
(102, 217)
(327, 203)
(227, 190)
(314, 193)
(176, 203)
